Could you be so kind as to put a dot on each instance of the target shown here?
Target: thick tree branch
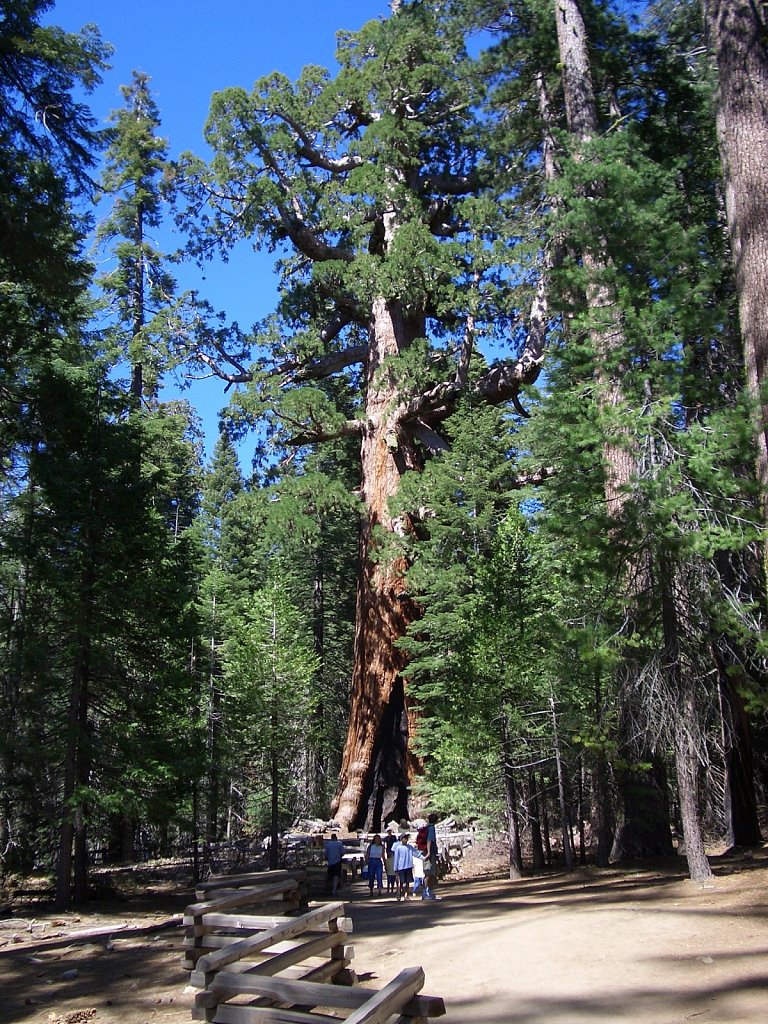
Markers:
(504, 381)
(431, 440)
(501, 383)
(309, 243)
(320, 368)
(454, 184)
(334, 327)
(306, 240)
(307, 150)
(317, 434)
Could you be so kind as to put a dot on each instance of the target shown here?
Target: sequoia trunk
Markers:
(379, 766)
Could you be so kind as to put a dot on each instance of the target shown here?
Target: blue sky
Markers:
(191, 49)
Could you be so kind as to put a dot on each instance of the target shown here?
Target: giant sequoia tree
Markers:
(375, 185)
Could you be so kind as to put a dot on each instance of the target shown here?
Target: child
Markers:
(391, 876)
(418, 872)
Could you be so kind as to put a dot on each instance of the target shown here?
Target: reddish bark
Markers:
(379, 765)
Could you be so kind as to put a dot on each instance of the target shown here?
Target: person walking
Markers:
(430, 861)
(334, 855)
(403, 864)
(374, 858)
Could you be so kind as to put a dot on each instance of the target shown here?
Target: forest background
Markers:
(501, 547)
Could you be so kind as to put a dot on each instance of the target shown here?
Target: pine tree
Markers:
(268, 669)
(139, 285)
(313, 524)
(222, 483)
(48, 142)
(109, 662)
(468, 576)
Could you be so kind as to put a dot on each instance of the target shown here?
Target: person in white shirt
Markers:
(418, 871)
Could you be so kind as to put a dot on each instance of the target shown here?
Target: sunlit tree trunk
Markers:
(736, 33)
(606, 331)
(379, 766)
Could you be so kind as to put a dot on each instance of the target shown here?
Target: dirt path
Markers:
(645, 947)
(639, 948)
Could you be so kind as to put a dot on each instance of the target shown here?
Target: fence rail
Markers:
(284, 966)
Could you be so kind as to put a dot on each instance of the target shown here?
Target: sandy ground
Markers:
(621, 947)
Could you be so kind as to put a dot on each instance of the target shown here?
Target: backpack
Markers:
(421, 838)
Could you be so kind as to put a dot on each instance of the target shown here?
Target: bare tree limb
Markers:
(242, 377)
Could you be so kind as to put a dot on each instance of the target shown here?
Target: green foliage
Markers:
(314, 169)
(470, 572)
(105, 593)
(44, 68)
(47, 147)
(138, 289)
(268, 669)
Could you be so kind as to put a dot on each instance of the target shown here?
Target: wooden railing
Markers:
(254, 968)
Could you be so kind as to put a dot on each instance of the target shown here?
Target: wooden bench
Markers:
(284, 968)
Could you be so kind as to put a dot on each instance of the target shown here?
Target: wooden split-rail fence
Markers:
(260, 954)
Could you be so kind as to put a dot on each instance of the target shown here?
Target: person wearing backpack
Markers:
(421, 839)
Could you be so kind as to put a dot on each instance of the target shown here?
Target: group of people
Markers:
(409, 870)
